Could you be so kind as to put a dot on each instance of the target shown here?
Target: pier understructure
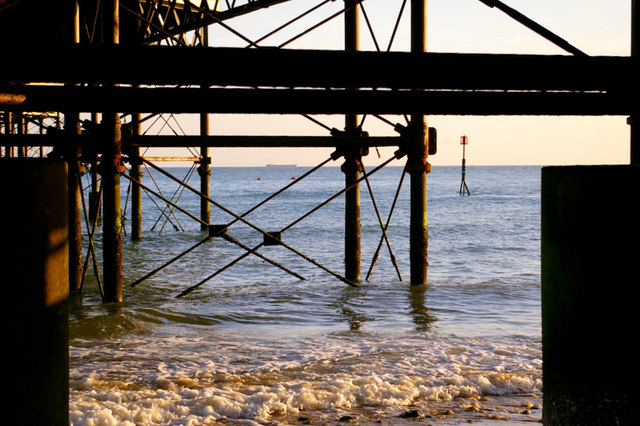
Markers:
(110, 67)
(81, 80)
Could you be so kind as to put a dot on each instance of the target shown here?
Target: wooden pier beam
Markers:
(417, 161)
(352, 161)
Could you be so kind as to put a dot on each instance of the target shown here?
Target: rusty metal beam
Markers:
(313, 101)
(534, 26)
(635, 54)
(58, 139)
(267, 67)
(215, 17)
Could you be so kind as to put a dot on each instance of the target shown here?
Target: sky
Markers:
(461, 26)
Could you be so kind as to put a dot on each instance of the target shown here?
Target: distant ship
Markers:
(281, 165)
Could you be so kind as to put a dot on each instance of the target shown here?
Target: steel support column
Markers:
(72, 127)
(75, 213)
(94, 194)
(417, 161)
(352, 162)
(204, 168)
(111, 220)
(136, 191)
(635, 53)
(111, 167)
(8, 130)
(205, 172)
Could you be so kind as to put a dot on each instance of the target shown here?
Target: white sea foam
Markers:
(343, 377)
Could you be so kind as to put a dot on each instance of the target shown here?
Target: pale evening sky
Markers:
(466, 26)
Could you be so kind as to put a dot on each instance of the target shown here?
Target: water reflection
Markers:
(358, 306)
(418, 308)
(344, 306)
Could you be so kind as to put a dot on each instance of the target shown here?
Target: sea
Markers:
(280, 339)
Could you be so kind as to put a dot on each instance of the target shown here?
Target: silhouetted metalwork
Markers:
(156, 38)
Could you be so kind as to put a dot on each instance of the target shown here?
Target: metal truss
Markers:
(161, 39)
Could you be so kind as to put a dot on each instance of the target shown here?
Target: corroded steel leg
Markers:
(352, 165)
(111, 222)
(75, 223)
(418, 168)
(136, 191)
(136, 196)
(417, 161)
(352, 251)
(111, 166)
(635, 52)
(205, 172)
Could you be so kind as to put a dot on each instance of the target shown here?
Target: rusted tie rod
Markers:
(222, 231)
(206, 239)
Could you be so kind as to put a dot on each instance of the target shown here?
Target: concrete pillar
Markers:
(34, 265)
(590, 232)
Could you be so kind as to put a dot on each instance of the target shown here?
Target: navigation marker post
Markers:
(464, 141)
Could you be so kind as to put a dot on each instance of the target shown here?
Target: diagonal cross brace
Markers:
(532, 25)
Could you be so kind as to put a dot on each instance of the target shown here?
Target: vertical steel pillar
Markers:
(94, 195)
(111, 166)
(635, 52)
(22, 150)
(74, 208)
(5, 129)
(352, 162)
(72, 128)
(417, 160)
(204, 170)
(8, 150)
(136, 191)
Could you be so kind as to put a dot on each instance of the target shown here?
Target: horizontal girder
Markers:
(320, 101)
(163, 65)
(62, 139)
(282, 81)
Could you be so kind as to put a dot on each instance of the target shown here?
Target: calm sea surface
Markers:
(257, 345)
